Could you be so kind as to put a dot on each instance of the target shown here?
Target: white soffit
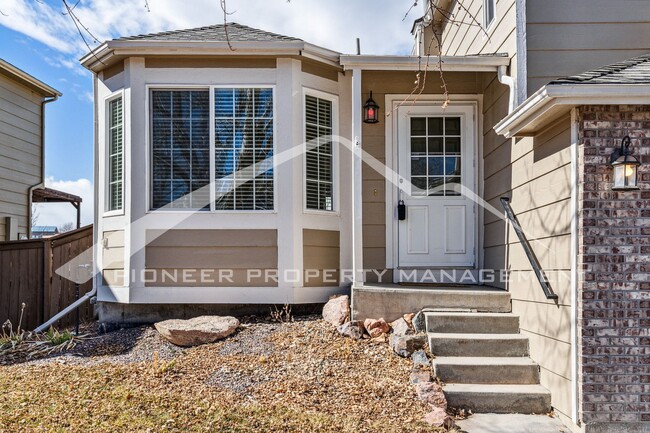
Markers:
(415, 63)
(556, 100)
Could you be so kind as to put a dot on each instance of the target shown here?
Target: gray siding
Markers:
(569, 37)
(20, 151)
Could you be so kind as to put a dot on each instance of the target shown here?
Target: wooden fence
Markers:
(27, 275)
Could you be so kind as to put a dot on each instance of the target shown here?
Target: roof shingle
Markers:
(216, 33)
(631, 71)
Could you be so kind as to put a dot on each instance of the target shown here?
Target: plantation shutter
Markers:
(115, 155)
(318, 159)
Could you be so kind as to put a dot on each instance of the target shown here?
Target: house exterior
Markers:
(22, 169)
(239, 170)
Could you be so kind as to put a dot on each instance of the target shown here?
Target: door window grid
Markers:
(435, 161)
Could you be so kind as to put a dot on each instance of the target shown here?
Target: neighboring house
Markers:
(22, 117)
(181, 112)
(39, 232)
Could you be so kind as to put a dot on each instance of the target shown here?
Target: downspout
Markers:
(67, 310)
(40, 184)
(510, 82)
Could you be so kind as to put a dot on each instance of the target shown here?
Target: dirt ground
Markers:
(268, 377)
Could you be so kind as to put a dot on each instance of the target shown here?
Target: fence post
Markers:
(46, 291)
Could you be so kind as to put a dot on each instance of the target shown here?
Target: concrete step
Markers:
(495, 370)
(469, 322)
(391, 301)
(482, 398)
(448, 344)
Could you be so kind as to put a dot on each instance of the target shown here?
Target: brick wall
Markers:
(614, 263)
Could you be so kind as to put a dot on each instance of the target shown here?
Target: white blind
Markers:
(115, 154)
(318, 133)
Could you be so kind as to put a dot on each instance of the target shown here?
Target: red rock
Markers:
(375, 328)
(401, 327)
(431, 393)
(438, 418)
(337, 310)
(409, 319)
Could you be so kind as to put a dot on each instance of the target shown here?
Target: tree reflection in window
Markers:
(243, 148)
(180, 148)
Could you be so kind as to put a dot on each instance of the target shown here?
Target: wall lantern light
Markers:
(625, 167)
(370, 111)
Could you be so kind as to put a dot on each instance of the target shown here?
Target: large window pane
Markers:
(243, 148)
(115, 155)
(318, 157)
(180, 125)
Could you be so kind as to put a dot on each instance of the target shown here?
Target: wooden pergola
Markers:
(49, 195)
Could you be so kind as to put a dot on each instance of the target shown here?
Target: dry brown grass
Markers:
(303, 378)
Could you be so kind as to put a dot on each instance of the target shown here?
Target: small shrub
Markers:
(283, 315)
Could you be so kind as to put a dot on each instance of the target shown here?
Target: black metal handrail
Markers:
(532, 258)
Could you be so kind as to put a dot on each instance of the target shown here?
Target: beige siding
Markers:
(535, 173)
(374, 142)
(321, 257)
(20, 151)
(206, 257)
(570, 37)
(113, 258)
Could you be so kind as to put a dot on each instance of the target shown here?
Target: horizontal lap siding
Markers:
(213, 252)
(567, 38)
(535, 173)
(20, 150)
(322, 256)
(113, 258)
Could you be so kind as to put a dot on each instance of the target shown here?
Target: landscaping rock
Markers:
(438, 418)
(375, 328)
(409, 319)
(431, 393)
(400, 327)
(419, 323)
(420, 359)
(351, 330)
(337, 310)
(196, 331)
(419, 376)
(405, 345)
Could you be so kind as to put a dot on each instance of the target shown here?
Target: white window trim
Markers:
(488, 26)
(105, 179)
(148, 140)
(334, 99)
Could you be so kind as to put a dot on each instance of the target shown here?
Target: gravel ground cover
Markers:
(299, 376)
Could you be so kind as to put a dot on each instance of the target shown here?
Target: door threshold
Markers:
(437, 276)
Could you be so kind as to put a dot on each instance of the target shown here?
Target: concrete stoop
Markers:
(483, 361)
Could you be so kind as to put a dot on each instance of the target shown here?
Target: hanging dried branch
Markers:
(79, 25)
(224, 8)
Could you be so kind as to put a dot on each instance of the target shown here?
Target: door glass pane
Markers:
(418, 126)
(435, 126)
(418, 166)
(435, 155)
(452, 125)
(418, 145)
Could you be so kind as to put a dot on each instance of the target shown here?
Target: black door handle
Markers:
(401, 211)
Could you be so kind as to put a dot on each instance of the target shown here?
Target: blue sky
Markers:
(36, 37)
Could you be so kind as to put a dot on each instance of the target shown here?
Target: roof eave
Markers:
(97, 59)
(556, 100)
(28, 80)
(415, 63)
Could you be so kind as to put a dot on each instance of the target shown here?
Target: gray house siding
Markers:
(20, 152)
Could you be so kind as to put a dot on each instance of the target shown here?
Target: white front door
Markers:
(435, 157)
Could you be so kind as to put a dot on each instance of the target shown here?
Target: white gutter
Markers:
(554, 100)
(415, 63)
(510, 82)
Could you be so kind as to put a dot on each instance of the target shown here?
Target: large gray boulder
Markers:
(196, 331)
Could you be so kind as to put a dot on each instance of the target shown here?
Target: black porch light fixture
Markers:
(625, 167)
(370, 111)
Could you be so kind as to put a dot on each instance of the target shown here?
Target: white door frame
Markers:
(392, 103)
